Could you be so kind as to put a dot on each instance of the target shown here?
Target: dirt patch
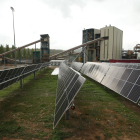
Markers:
(2, 99)
(10, 139)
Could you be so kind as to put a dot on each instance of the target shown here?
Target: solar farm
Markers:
(93, 94)
(83, 101)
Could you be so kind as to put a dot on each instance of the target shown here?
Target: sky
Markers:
(64, 20)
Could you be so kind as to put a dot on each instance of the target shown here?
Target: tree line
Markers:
(24, 53)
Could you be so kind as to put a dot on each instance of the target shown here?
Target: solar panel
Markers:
(10, 76)
(113, 84)
(109, 80)
(120, 72)
(76, 65)
(105, 80)
(126, 74)
(139, 103)
(134, 76)
(115, 71)
(55, 72)
(134, 94)
(68, 85)
(3, 75)
(126, 88)
(138, 67)
(123, 78)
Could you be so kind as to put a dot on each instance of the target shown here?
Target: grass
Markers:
(100, 113)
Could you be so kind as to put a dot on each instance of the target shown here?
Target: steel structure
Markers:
(19, 48)
(82, 45)
(45, 47)
(10, 76)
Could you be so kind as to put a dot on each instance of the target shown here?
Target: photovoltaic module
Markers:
(68, 85)
(122, 78)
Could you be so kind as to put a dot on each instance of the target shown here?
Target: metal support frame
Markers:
(79, 53)
(4, 63)
(35, 53)
(67, 115)
(21, 84)
(19, 57)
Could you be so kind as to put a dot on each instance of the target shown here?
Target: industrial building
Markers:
(105, 49)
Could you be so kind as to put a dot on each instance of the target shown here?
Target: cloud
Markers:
(65, 5)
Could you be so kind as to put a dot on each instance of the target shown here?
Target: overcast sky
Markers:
(64, 20)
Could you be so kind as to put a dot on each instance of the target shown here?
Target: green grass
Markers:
(100, 113)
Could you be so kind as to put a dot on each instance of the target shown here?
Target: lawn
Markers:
(100, 113)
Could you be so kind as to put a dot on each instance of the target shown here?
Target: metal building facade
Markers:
(111, 48)
(91, 51)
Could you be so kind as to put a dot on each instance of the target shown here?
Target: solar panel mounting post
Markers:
(4, 62)
(34, 74)
(67, 115)
(80, 53)
(21, 84)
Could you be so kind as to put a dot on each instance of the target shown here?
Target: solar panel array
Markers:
(68, 85)
(10, 76)
(57, 62)
(76, 65)
(123, 78)
(96, 71)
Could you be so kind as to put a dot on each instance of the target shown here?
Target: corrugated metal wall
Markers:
(111, 48)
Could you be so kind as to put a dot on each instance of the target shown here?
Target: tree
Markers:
(7, 49)
(1, 49)
(32, 53)
(28, 53)
(13, 53)
(24, 53)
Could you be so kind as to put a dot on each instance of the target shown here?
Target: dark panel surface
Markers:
(126, 74)
(134, 76)
(119, 86)
(126, 89)
(134, 94)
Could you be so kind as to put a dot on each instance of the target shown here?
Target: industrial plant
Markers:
(100, 58)
(106, 46)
